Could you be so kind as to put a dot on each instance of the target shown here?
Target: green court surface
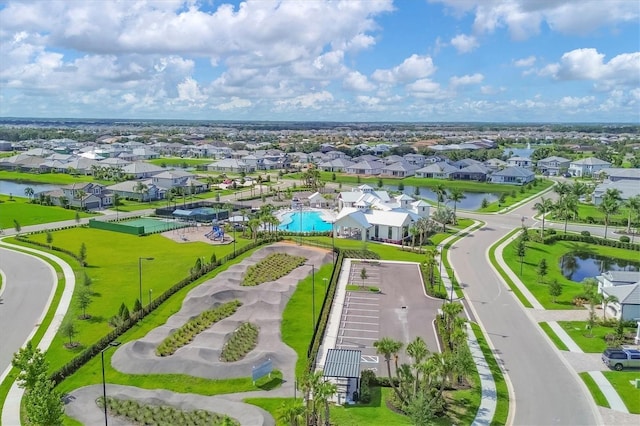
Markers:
(155, 225)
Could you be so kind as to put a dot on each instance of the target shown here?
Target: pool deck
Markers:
(326, 215)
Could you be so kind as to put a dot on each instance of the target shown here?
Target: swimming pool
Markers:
(311, 222)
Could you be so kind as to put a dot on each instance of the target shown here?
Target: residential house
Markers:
(84, 195)
(390, 159)
(524, 162)
(142, 190)
(439, 170)
(513, 175)
(553, 166)
(466, 162)
(616, 174)
(184, 180)
(415, 159)
(371, 168)
(627, 188)
(476, 172)
(142, 170)
(625, 286)
(588, 166)
(231, 165)
(495, 164)
(337, 165)
(399, 169)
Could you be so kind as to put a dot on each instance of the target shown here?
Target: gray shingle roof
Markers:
(342, 363)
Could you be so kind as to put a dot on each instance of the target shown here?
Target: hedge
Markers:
(591, 240)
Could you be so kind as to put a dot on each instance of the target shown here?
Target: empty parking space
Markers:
(359, 325)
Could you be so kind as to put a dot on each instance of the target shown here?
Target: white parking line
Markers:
(362, 298)
(360, 338)
(361, 316)
(365, 323)
(349, 303)
(346, 345)
(363, 310)
(360, 330)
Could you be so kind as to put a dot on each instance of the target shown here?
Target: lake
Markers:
(577, 266)
(17, 189)
(473, 200)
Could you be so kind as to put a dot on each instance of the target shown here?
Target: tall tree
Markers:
(555, 290)
(633, 209)
(456, 195)
(605, 303)
(44, 404)
(544, 206)
(441, 194)
(543, 269)
(28, 191)
(389, 348)
(566, 208)
(610, 205)
(83, 301)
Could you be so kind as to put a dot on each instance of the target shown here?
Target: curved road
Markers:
(29, 284)
(545, 388)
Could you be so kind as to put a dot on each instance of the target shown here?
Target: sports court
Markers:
(154, 225)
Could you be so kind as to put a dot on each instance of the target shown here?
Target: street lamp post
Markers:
(140, 259)
(104, 382)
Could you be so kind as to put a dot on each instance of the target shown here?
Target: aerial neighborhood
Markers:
(319, 256)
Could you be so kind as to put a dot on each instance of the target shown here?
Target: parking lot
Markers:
(400, 311)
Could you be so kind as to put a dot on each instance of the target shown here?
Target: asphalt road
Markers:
(546, 390)
(29, 282)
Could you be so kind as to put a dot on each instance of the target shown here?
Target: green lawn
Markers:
(27, 214)
(113, 268)
(621, 381)
(52, 178)
(180, 162)
(297, 322)
(492, 258)
(552, 253)
(590, 341)
(594, 389)
(553, 336)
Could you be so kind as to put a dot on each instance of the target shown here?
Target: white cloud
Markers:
(234, 103)
(491, 90)
(411, 69)
(523, 18)
(466, 80)
(571, 102)
(310, 100)
(425, 88)
(357, 82)
(589, 64)
(189, 91)
(464, 43)
(525, 62)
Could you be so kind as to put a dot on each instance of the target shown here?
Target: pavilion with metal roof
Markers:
(342, 367)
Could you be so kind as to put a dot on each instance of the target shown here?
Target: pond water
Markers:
(577, 266)
(17, 189)
(473, 200)
(518, 152)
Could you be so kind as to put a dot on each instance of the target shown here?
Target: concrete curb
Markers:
(11, 408)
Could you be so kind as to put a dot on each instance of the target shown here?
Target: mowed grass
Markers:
(180, 162)
(27, 214)
(591, 341)
(553, 336)
(624, 383)
(52, 178)
(297, 323)
(535, 252)
(594, 389)
(113, 268)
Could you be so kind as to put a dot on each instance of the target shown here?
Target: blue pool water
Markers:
(311, 221)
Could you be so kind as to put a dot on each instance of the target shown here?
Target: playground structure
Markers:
(216, 233)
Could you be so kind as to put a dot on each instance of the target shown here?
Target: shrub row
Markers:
(243, 340)
(93, 350)
(185, 334)
(271, 268)
(144, 414)
(25, 239)
(585, 238)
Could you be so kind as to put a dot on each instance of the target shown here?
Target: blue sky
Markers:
(370, 60)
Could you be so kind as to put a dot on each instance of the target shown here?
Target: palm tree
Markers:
(610, 205)
(292, 413)
(413, 231)
(254, 225)
(28, 191)
(443, 216)
(562, 188)
(579, 189)
(633, 206)
(544, 206)
(388, 348)
(116, 202)
(456, 196)
(418, 351)
(566, 207)
(80, 194)
(605, 302)
(441, 193)
(322, 395)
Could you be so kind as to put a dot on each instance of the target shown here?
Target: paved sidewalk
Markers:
(11, 408)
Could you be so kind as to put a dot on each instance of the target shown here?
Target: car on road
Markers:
(619, 358)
